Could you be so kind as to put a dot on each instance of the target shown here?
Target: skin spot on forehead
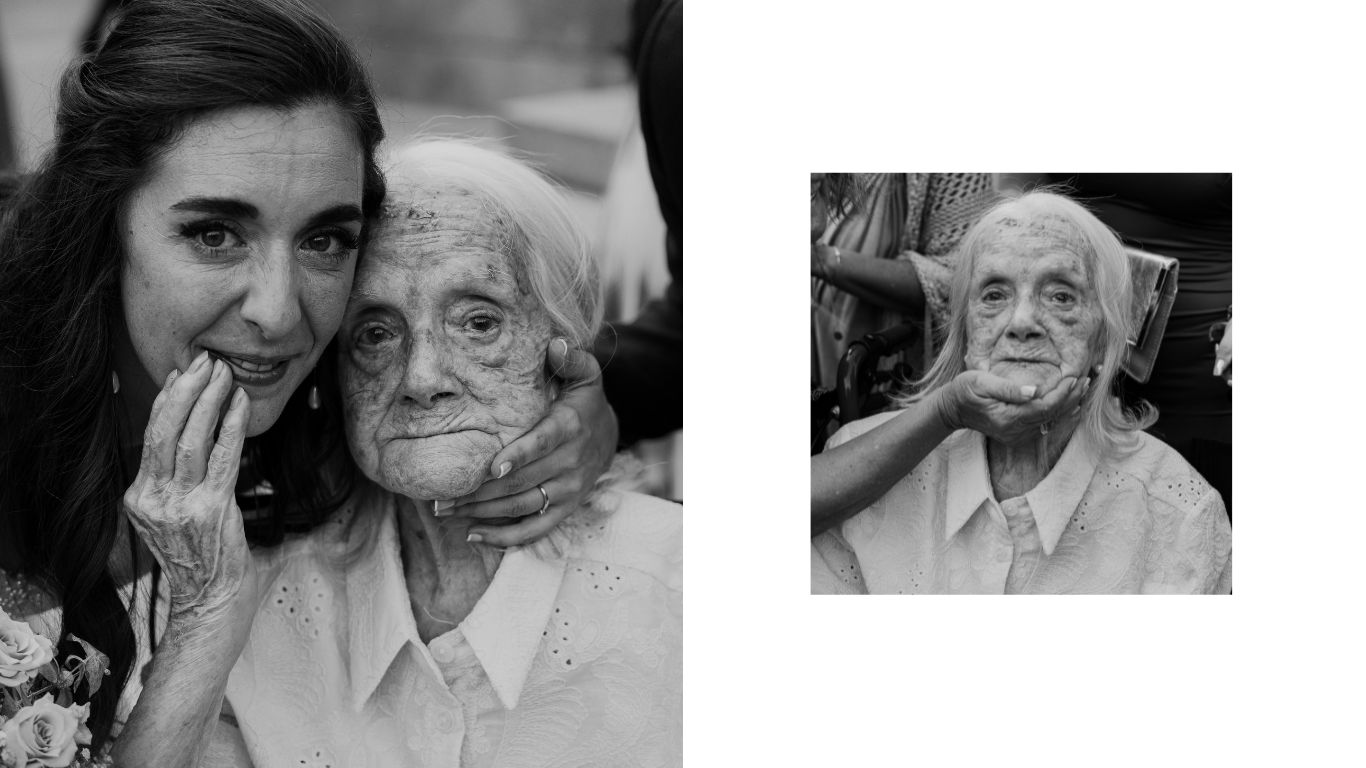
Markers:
(422, 224)
(430, 223)
(1036, 231)
(1031, 258)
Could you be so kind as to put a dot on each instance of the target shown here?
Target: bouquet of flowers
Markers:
(39, 723)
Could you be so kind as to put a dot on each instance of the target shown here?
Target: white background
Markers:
(1270, 676)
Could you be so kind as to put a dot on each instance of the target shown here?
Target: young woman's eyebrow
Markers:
(337, 214)
(218, 206)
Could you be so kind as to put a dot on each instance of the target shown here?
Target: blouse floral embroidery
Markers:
(1145, 522)
(570, 662)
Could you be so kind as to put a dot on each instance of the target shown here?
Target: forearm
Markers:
(177, 712)
(890, 283)
(848, 478)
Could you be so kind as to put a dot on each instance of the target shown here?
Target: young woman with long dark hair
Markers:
(197, 223)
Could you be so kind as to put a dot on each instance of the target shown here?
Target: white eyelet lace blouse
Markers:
(1146, 522)
(570, 662)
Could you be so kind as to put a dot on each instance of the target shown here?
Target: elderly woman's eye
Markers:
(482, 325)
(992, 295)
(373, 336)
(1064, 297)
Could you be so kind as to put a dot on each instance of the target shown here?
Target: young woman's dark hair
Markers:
(164, 64)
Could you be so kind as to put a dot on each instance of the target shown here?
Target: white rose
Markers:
(22, 652)
(46, 734)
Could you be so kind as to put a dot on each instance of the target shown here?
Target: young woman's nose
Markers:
(273, 301)
(429, 378)
(1024, 321)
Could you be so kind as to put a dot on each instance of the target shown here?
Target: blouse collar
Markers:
(503, 629)
(1052, 501)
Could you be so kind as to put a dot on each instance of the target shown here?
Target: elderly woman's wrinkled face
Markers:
(442, 348)
(1033, 316)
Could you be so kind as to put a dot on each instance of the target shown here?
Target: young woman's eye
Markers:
(211, 235)
(336, 243)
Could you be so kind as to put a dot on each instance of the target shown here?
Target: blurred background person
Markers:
(643, 360)
(881, 254)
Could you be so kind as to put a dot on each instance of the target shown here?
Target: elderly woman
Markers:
(390, 636)
(1083, 503)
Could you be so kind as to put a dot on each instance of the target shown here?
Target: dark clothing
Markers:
(1188, 216)
(643, 361)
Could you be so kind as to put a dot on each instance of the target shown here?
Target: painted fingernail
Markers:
(474, 538)
(171, 377)
(504, 468)
(563, 346)
(1028, 390)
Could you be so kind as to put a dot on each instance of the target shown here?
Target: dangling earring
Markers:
(315, 401)
(115, 376)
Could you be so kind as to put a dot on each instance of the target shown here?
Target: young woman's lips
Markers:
(254, 371)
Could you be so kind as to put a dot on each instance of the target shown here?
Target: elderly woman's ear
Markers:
(564, 454)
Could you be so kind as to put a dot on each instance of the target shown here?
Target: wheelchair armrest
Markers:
(853, 378)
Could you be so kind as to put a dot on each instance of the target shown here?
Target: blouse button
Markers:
(443, 651)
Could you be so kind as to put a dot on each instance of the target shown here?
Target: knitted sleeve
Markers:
(943, 207)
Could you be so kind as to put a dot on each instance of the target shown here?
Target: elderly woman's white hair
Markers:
(541, 236)
(1100, 249)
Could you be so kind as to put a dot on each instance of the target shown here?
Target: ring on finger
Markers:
(545, 500)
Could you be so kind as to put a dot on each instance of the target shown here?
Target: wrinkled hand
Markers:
(564, 454)
(181, 503)
(1004, 410)
(1223, 355)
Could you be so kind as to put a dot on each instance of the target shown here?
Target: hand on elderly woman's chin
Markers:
(1004, 409)
(563, 454)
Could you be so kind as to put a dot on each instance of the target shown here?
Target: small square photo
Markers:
(1021, 383)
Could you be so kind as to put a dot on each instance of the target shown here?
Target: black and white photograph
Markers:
(1021, 383)
(341, 385)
